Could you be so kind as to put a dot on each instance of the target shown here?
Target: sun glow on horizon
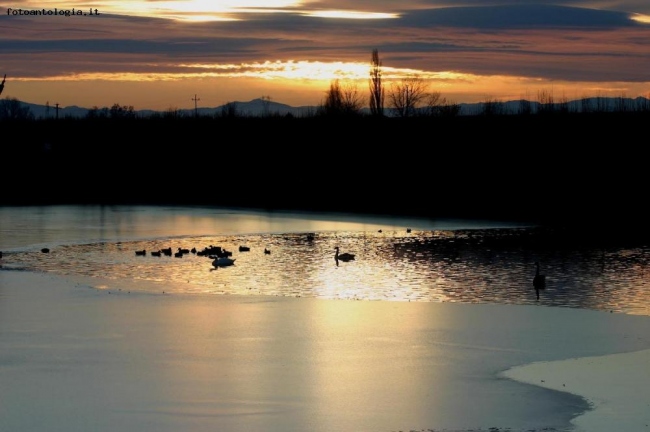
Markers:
(269, 70)
(645, 19)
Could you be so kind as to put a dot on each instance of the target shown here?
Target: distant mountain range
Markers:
(253, 108)
(263, 107)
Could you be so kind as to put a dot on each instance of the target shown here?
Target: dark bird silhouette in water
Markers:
(343, 256)
(2, 84)
(539, 281)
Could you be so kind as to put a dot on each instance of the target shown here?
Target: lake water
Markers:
(396, 259)
(290, 341)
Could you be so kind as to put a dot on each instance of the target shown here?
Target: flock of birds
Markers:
(223, 258)
(220, 256)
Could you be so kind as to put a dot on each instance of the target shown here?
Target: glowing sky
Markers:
(158, 54)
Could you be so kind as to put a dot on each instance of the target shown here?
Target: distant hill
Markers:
(262, 107)
(253, 108)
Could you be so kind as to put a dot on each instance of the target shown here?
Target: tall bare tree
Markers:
(342, 99)
(405, 96)
(376, 86)
(433, 104)
(352, 100)
(333, 99)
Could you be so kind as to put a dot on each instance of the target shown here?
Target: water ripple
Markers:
(470, 266)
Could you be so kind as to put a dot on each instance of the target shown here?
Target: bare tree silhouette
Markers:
(406, 96)
(437, 106)
(342, 100)
(12, 109)
(376, 87)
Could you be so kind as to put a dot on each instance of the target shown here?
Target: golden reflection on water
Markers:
(492, 265)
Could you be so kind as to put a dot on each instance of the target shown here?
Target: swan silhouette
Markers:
(539, 281)
(343, 256)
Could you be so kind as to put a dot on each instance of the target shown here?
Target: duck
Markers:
(156, 253)
(343, 256)
(142, 252)
(244, 249)
(266, 251)
(223, 261)
(539, 281)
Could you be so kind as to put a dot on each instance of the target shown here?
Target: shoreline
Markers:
(617, 386)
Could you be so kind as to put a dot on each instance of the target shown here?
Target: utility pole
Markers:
(57, 110)
(196, 111)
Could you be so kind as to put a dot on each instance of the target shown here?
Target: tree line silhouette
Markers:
(556, 166)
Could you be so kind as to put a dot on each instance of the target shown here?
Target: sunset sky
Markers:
(158, 54)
